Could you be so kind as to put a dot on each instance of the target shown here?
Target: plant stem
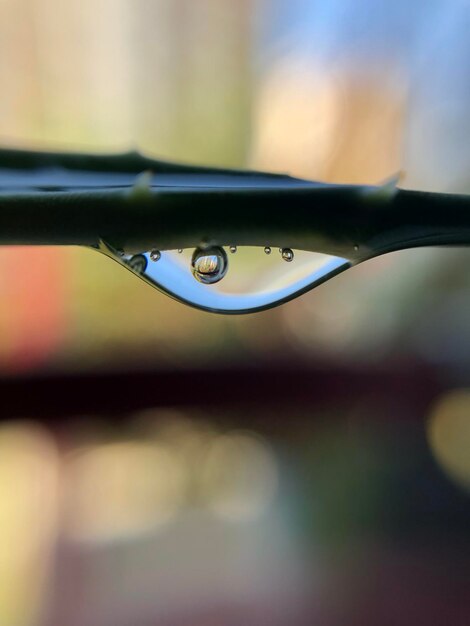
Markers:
(74, 199)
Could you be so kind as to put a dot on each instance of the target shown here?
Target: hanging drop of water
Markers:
(287, 254)
(209, 265)
(255, 282)
(180, 250)
(233, 249)
(155, 255)
(267, 250)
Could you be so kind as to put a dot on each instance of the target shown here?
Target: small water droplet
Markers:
(180, 250)
(209, 265)
(287, 254)
(267, 250)
(233, 249)
(138, 263)
(356, 247)
(155, 255)
(280, 250)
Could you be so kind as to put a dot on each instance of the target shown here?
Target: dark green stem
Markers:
(67, 199)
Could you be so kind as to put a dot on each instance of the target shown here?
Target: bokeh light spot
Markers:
(239, 476)
(449, 435)
(122, 490)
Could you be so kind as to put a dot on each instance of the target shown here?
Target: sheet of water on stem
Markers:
(234, 279)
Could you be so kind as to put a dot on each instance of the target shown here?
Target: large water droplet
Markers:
(233, 249)
(267, 250)
(209, 265)
(155, 255)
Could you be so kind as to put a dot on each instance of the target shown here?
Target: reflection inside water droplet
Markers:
(255, 280)
(138, 263)
(209, 265)
(155, 255)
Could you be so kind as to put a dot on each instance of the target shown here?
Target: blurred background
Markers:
(306, 465)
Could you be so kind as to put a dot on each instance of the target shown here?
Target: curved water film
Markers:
(216, 279)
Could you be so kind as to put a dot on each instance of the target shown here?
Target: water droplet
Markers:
(209, 265)
(233, 249)
(180, 250)
(356, 247)
(280, 250)
(138, 263)
(267, 250)
(155, 255)
(287, 254)
(255, 282)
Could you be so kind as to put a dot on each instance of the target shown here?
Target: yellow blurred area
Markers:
(328, 126)
(120, 490)
(449, 435)
(29, 488)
